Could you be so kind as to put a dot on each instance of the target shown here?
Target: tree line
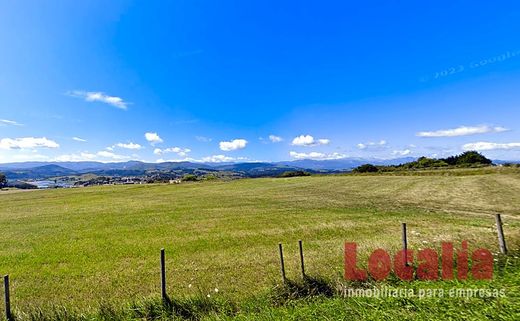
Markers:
(3, 180)
(466, 159)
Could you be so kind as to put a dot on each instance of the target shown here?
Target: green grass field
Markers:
(79, 248)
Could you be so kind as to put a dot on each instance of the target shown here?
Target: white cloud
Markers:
(27, 143)
(111, 155)
(403, 152)
(275, 139)
(183, 152)
(101, 156)
(490, 146)
(153, 138)
(233, 145)
(380, 143)
(323, 141)
(316, 156)
(462, 131)
(76, 157)
(186, 159)
(308, 140)
(88, 156)
(217, 159)
(203, 139)
(5, 122)
(303, 140)
(92, 96)
(79, 139)
(128, 145)
(207, 159)
(22, 157)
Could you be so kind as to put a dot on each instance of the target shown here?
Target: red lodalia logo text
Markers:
(454, 264)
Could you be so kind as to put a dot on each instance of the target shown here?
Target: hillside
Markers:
(39, 172)
(142, 172)
(224, 234)
(168, 170)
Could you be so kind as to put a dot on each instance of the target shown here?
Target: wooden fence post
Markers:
(164, 296)
(501, 238)
(405, 243)
(282, 265)
(8, 315)
(301, 258)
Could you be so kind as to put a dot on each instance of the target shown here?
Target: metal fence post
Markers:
(405, 243)
(163, 277)
(301, 258)
(282, 265)
(501, 238)
(8, 314)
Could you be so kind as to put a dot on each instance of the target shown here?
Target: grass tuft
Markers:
(309, 286)
(192, 308)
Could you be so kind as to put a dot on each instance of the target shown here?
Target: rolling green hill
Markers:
(79, 247)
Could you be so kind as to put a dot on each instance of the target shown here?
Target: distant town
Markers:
(83, 174)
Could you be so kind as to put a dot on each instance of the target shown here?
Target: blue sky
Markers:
(264, 80)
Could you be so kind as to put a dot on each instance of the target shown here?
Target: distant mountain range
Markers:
(44, 170)
(345, 163)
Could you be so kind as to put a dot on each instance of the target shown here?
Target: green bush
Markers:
(366, 168)
(425, 162)
(3, 180)
(190, 178)
(294, 174)
(468, 158)
(21, 185)
(511, 165)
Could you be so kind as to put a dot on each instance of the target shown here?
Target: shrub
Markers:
(425, 162)
(190, 178)
(366, 168)
(3, 180)
(21, 185)
(511, 165)
(294, 174)
(468, 158)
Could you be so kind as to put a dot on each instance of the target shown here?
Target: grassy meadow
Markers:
(79, 249)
